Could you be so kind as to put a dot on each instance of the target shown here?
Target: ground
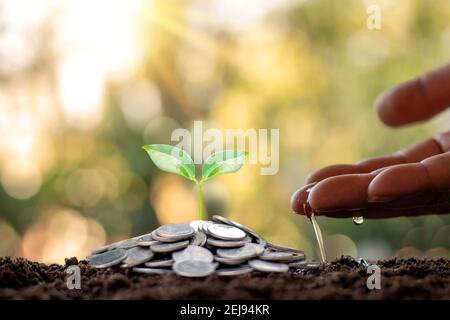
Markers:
(340, 279)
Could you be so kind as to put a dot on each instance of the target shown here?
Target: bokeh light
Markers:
(81, 92)
(21, 179)
(62, 233)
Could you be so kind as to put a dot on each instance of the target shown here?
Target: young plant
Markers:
(175, 160)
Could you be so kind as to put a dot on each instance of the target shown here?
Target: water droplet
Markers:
(358, 220)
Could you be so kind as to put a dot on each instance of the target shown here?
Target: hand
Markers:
(412, 181)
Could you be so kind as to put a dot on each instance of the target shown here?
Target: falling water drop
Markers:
(359, 220)
(310, 213)
(319, 237)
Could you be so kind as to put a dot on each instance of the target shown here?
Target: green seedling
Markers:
(175, 160)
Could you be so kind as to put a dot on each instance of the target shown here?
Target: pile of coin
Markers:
(198, 249)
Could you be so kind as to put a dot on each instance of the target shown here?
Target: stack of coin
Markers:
(198, 249)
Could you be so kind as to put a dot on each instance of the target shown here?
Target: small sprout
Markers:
(175, 160)
(227, 161)
(171, 159)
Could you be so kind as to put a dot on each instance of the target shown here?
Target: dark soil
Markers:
(340, 279)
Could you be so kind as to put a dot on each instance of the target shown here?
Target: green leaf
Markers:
(171, 159)
(227, 161)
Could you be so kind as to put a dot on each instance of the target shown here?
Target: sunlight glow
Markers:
(81, 92)
(18, 130)
(60, 234)
(140, 103)
(107, 34)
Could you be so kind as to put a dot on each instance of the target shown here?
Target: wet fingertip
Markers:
(296, 205)
(299, 198)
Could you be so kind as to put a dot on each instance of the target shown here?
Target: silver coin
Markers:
(123, 244)
(178, 231)
(152, 270)
(146, 240)
(108, 258)
(196, 224)
(160, 263)
(275, 256)
(230, 262)
(221, 219)
(307, 265)
(199, 239)
(225, 232)
(205, 237)
(246, 252)
(259, 249)
(237, 225)
(234, 271)
(194, 268)
(162, 239)
(225, 243)
(192, 252)
(266, 266)
(169, 247)
(103, 249)
(296, 257)
(204, 226)
(280, 247)
(137, 256)
(261, 242)
(128, 243)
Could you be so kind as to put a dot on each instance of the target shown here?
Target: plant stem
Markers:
(200, 201)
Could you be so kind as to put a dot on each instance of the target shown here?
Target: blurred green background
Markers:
(83, 84)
